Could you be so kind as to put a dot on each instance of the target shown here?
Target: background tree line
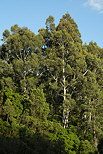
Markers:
(51, 91)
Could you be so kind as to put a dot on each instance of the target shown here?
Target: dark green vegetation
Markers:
(51, 91)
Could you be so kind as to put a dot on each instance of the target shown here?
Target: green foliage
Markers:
(11, 110)
(86, 147)
(51, 91)
(67, 142)
(50, 23)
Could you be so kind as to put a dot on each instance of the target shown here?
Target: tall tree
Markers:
(60, 63)
(20, 49)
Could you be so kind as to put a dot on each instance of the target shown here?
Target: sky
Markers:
(88, 14)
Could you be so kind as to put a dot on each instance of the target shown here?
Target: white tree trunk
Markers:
(65, 109)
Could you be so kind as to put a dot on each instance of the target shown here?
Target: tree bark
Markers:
(65, 109)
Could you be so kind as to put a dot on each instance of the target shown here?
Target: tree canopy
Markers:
(51, 91)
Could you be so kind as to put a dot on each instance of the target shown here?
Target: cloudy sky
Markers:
(95, 4)
(88, 14)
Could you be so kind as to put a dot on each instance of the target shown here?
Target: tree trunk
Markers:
(95, 140)
(65, 109)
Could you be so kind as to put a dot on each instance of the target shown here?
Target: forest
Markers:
(51, 91)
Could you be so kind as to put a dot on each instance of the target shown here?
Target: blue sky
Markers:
(88, 14)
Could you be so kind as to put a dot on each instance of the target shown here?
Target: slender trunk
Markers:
(90, 117)
(94, 133)
(65, 118)
(24, 76)
(24, 82)
(65, 109)
(95, 139)
(90, 113)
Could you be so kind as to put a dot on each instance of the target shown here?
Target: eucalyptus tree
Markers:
(63, 46)
(20, 48)
(88, 95)
(68, 45)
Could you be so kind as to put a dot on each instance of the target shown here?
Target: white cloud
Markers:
(95, 4)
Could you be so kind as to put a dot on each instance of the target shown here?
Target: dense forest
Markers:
(51, 91)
